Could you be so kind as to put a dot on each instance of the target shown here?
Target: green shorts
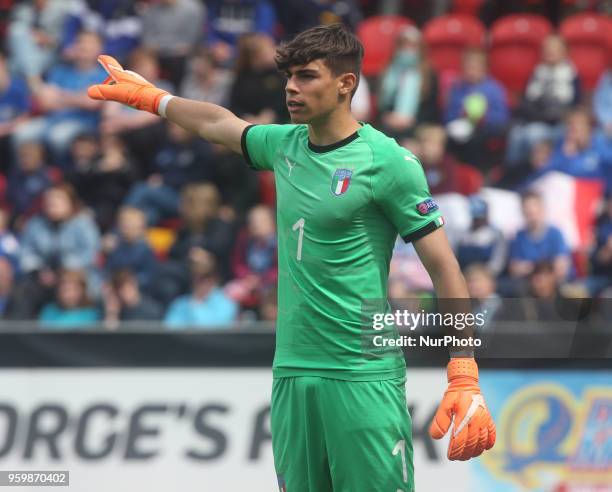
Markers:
(331, 435)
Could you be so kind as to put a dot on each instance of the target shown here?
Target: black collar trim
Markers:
(319, 149)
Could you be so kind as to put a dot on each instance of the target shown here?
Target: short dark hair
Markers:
(531, 194)
(543, 267)
(121, 277)
(340, 49)
(68, 190)
(475, 52)
(80, 278)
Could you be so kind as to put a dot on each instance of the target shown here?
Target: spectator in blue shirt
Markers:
(182, 159)
(206, 305)
(129, 249)
(538, 242)
(34, 35)
(14, 97)
(228, 20)
(116, 20)
(28, 180)
(483, 244)
(68, 111)
(296, 16)
(476, 111)
(72, 308)
(581, 154)
(14, 109)
(61, 237)
(519, 178)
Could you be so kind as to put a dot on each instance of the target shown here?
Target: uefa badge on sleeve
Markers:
(426, 206)
(341, 181)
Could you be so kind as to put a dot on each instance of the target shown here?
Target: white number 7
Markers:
(300, 225)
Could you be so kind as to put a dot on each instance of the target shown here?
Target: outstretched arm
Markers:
(211, 122)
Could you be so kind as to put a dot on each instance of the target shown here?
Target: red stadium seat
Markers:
(447, 36)
(468, 179)
(161, 240)
(267, 189)
(378, 36)
(515, 49)
(589, 38)
(469, 7)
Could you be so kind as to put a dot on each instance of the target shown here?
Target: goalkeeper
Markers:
(344, 191)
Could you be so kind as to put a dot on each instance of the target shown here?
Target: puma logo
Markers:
(290, 165)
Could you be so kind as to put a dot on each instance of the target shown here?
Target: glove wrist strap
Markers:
(163, 104)
(462, 367)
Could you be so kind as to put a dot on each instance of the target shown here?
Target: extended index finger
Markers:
(111, 66)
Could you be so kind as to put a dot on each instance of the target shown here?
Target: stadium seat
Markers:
(161, 239)
(589, 38)
(378, 37)
(468, 7)
(515, 49)
(468, 179)
(447, 36)
(267, 188)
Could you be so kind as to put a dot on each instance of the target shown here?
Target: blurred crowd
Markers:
(110, 215)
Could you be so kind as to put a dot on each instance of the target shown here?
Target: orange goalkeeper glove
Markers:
(127, 87)
(474, 429)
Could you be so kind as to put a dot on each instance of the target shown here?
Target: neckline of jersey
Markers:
(320, 149)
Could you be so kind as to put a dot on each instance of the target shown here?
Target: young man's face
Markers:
(579, 128)
(432, 148)
(553, 50)
(88, 47)
(474, 67)
(313, 92)
(533, 210)
(543, 284)
(480, 285)
(69, 293)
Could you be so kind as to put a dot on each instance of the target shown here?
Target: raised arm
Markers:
(209, 121)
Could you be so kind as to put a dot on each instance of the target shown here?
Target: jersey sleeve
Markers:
(261, 144)
(400, 189)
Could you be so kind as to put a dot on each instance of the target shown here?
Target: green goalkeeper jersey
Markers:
(339, 210)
